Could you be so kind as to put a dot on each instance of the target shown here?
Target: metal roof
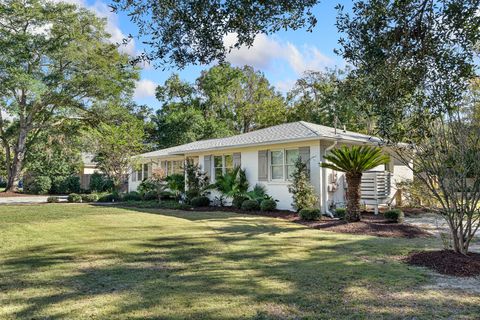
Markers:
(288, 132)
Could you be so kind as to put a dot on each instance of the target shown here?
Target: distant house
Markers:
(88, 168)
(268, 157)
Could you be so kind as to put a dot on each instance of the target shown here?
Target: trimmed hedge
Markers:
(75, 198)
(53, 200)
(250, 205)
(132, 196)
(268, 205)
(109, 197)
(238, 200)
(150, 195)
(394, 215)
(201, 201)
(310, 214)
(37, 185)
(93, 197)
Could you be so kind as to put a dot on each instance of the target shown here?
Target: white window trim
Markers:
(224, 167)
(284, 164)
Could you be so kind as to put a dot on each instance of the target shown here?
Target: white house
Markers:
(268, 155)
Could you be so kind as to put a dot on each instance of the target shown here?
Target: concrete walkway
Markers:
(27, 199)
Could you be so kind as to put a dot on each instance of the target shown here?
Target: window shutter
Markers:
(237, 159)
(263, 165)
(207, 164)
(304, 153)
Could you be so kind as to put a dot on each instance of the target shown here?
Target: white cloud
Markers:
(144, 89)
(265, 50)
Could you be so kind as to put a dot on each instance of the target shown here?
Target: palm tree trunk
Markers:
(353, 197)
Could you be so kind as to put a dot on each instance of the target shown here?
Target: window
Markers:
(134, 175)
(282, 164)
(177, 167)
(222, 164)
(290, 158)
(276, 165)
(139, 175)
(145, 171)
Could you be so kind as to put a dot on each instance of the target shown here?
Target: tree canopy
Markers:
(56, 63)
(184, 32)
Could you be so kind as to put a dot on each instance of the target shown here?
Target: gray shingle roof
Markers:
(294, 131)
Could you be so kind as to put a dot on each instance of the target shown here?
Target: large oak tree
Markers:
(56, 63)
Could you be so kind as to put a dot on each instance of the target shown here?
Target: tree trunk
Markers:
(16, 165)
(353, 197)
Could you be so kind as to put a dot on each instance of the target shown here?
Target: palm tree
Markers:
(232, 183)
(354, 161)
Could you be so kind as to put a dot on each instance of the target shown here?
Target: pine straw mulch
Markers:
(447, 262)
(373, 225)
(10, 194)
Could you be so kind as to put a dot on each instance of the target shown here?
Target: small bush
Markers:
(394, 215)
(132, 196)
(268, 205)
(37, 185)
(75, 198)
(171, 204)
(166, 195)
(340, 213)
(150, 196)
(147, 186)
(109, 197)
(238, 200)
(309, 214)
(70, 184)
(53, 200)
(201, 201)
(93, 197)
(100, 182)
(250, 205)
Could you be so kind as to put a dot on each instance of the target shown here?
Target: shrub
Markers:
(394, 215)
(132, 196)
(302, 191)
(268, 205)
(70, 184)
(309, 214)
(109, 197)
(258, 193)
(238, 200)
(201, 201)
(3, 183)
(53, 200)
(250, 205)
(37, 185)
(100, 183)
(92, 197)
(73, 197)
(150, 196)
(171, 204)
(176, 184)
(340, 213)
(147, 186)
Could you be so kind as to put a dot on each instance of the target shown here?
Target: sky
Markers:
(282, 56)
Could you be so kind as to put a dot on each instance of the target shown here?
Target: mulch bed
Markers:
(10, 194)
(447, 262)
(373, 225)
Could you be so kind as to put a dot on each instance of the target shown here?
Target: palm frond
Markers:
(355, 159)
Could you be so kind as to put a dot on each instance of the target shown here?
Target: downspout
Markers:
(324, 182)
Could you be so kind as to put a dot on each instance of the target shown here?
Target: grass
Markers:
(81, 261)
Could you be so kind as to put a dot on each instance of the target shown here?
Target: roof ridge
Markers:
(307, 125)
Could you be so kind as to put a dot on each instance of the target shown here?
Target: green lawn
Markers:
(89, 262)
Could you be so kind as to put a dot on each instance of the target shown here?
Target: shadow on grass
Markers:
(236, 268)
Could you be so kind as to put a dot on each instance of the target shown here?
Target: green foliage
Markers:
(150, 196)
(176, 184)
(91, 197)
(100, 183)
(37, 185)
(177, 39)
(303, 193)
(258, 193)
(74, 197)
(109, 197)
(72, 72)
(132, 196)
(147, 186)
(268, 205)
(250, 205)
(201, 201)
(170, 204)
(309, 214)
(238, 200)
(394, 215)
(340, 212)
(232, 183)
(53, 200)
(197, 181)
